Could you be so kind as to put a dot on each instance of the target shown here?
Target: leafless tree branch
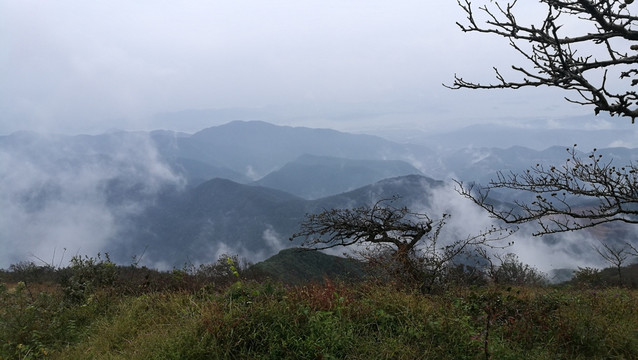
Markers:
(576, 195)
(553, 54)
(411, 239)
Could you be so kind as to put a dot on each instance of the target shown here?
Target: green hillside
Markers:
(298, 266)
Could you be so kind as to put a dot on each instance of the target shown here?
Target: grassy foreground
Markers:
(264, 320)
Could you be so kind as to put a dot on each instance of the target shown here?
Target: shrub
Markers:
(513, 272)
(587, 276)
(86, 275)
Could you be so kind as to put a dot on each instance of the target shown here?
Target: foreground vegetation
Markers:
(96, 310)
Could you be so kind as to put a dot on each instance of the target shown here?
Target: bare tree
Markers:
(409, 240)
(575, 46)
(616, 256)
(576, 195)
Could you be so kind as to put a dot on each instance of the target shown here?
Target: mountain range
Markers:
(239, 188)
(221, 216)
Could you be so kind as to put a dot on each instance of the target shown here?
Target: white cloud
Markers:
(273, 240)
(571, 250)
(53, 199)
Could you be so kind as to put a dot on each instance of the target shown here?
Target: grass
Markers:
(266, 320)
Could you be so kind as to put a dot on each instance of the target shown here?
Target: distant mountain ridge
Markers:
(247, 151)
(313, 177)
(242, 187)
(256, 148)
(253, 221)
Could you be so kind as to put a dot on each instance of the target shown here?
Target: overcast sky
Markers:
(91, 66)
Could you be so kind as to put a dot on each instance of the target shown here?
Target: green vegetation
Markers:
(94, 309)
(297, 266)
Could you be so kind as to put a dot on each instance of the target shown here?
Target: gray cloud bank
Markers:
(564, 251)
(76, 67)
(56, 193)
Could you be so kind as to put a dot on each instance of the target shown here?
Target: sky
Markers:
(75, 66)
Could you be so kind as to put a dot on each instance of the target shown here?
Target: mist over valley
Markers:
(244, 187)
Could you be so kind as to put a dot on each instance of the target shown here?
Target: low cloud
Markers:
(623, 143)
(571, 250)
(567, 250)
(273, 240)
(61, 194)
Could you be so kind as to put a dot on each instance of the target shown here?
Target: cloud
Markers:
(56, 198)
(273, 240)
(213, 250)
(218, 249)
(623, 143)
(571, 250)
(567, 250)
(77, 66)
